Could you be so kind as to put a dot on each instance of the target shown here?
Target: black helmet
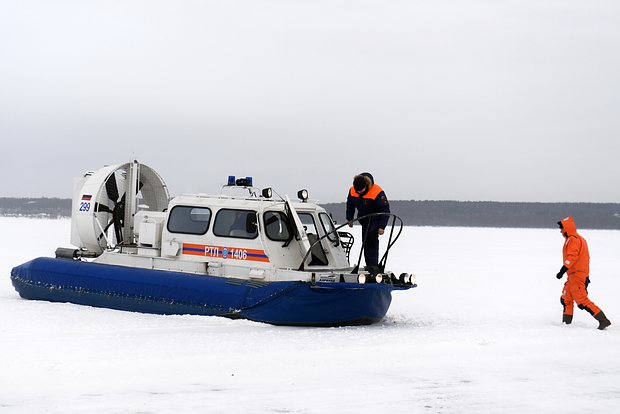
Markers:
(359, 183)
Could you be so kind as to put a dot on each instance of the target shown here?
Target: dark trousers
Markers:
(371, 247)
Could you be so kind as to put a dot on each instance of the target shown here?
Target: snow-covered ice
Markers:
(481, 334)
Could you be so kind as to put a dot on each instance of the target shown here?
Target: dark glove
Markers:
(561, 272)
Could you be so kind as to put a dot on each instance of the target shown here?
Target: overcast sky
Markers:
(443, 100)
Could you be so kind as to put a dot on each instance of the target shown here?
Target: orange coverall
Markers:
(576, 258)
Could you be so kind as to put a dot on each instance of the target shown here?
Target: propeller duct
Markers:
(105, 201)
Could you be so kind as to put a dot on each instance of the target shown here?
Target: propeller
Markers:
(117, 212)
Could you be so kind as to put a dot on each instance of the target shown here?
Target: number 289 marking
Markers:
(84, 206)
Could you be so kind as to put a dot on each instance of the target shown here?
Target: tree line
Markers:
(412, 212)
(35, 207)
(497, 214)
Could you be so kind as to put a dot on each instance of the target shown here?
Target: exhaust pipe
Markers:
(75, 254)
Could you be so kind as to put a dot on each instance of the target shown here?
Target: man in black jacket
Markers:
(368, 198)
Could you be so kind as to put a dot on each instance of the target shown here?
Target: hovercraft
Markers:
(240, 254)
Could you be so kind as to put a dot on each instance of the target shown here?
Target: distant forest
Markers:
(35, 207)
(497, 214)
(413, 212)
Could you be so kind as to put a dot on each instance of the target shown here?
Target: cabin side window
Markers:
(276, 226)
(235, 223)
(189, 220)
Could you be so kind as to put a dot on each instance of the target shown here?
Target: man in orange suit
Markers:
(576, 262)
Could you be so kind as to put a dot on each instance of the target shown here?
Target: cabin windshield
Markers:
(308, 222)
(328, 227)
(318, 254)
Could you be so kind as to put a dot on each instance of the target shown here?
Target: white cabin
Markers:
(236, 237)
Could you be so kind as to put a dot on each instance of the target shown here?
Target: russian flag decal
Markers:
(86, 197)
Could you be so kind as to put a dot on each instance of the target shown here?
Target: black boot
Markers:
(567, 319)
(603, 322)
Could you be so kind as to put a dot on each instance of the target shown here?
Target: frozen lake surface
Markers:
(481, 334)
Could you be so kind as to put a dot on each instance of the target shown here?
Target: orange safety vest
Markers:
(372, 194)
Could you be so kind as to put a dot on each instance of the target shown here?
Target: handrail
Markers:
(391, 242)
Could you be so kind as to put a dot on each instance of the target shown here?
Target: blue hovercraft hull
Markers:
(162, 292)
